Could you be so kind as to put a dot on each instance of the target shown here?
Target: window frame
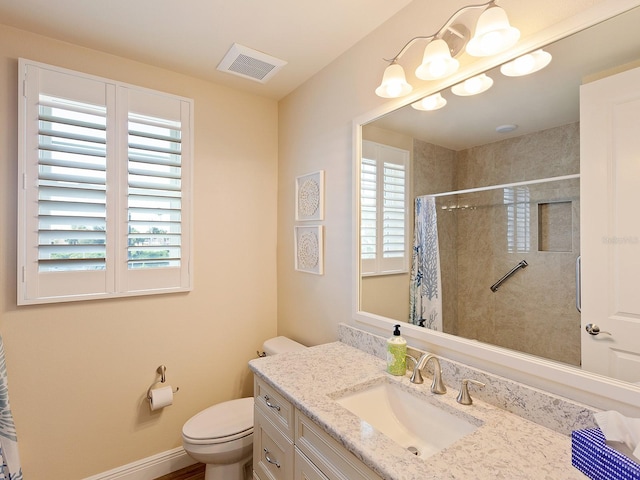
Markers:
(381, 154)
(121, 100)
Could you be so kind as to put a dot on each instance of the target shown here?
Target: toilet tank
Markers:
(281, 344)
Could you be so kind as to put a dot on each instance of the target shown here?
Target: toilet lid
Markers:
(223, 422)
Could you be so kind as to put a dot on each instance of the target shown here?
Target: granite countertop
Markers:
(504, 446)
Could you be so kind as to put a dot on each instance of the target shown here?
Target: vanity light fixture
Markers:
(473, 86)
(394, 83)
(432, 102)
(526, 64)
(437, 61)
(493, 34)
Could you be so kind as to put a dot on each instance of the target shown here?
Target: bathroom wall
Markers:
(480, 240)
(78, 372)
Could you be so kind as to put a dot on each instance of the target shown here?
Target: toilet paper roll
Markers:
(161, 397)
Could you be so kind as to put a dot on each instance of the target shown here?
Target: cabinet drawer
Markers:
(335, 462)
(272, 451)
(305, 470)
(274, 406)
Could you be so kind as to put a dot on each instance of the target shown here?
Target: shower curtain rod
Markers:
(506, 185)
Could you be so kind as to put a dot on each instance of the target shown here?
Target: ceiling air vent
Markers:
(251, 64)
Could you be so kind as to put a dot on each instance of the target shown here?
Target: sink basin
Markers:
(414, 423)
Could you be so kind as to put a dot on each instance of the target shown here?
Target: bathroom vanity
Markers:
(288, 444)
(303, 431)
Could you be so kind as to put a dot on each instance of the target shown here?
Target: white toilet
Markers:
(221, 436)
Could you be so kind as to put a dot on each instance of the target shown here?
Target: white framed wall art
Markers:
(310, 196)
(309, 249)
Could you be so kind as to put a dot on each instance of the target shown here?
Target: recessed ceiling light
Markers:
(506, 128)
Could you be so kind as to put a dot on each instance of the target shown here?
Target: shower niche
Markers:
(555, 220)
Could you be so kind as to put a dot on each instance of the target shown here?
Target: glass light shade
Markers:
(526, 64)
(394, 83)
(473, 86)
(493, 33)
(432, 102)
(437, 61)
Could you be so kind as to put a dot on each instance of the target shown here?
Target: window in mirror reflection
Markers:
(518, 203)
(384, 216)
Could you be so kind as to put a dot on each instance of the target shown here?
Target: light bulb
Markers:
(473, 86)
(526, 64)
(432, 102)
(436, 61)
(393, 83)
(437, 67)
(493, 34)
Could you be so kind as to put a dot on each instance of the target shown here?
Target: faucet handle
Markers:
(463, 397)
(416, 376)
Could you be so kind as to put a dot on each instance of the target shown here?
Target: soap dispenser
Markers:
(396, 353)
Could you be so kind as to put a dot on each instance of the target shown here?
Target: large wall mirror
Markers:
(501, 170)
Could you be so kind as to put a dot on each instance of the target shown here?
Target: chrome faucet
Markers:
(463, 397)
(437, 386)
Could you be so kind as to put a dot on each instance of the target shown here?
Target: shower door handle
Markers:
(579, 284)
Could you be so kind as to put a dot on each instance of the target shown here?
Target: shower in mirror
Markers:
(477, 213)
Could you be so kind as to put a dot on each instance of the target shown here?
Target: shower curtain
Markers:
(425, 282)
(10, 468)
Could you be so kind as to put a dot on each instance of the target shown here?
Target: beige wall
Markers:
(315, 131)
(78, 372)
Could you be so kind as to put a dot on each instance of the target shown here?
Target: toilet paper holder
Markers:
(162, 371)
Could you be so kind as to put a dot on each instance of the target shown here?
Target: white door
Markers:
(610, 224)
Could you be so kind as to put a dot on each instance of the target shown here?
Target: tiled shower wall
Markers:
(483, 235)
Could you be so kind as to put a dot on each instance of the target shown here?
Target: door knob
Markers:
(593, 329)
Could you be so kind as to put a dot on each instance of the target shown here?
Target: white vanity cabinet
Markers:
(273, 419)
(331, 458)
(288, 445)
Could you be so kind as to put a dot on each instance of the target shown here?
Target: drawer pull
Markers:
(269, 404)
(269, 459)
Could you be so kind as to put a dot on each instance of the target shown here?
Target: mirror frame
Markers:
(571, 382)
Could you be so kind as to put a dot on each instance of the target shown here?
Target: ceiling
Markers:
(545, 99)
(192, 36)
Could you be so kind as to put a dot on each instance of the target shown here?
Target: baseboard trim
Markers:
(150, 467)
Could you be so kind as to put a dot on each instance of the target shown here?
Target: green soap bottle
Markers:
(396, 353)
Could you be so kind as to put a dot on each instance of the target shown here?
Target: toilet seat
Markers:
(221, 423)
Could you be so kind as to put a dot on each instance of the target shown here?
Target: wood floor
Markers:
(194, 472)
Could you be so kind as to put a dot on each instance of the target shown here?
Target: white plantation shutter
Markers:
(71, 185)
(383, 209)
(394, 213)
(106, 181)
(368, 209)
(154, 193)
(518, 204)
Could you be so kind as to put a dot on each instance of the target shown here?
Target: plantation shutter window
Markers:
(105, 171)
(71, 185)
(383, 209)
